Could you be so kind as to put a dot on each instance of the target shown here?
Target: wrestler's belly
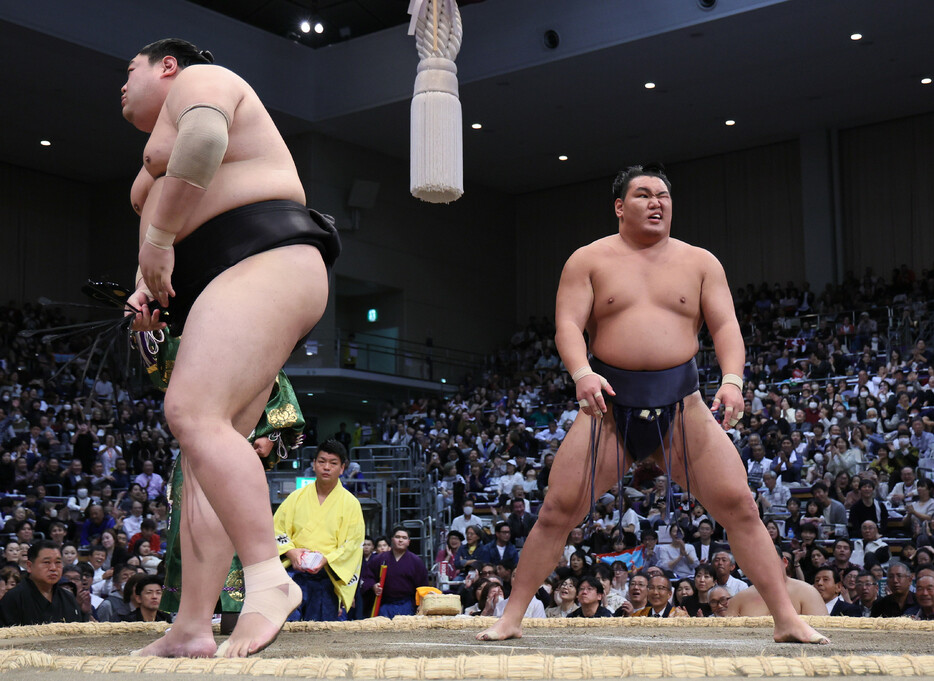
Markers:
(235, 184)
(645, 340)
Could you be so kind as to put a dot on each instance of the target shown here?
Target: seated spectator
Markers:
(551, 432)
(904, 491)
(490, 595)
(921, 440)
(719, 600)
(787, 463)
(520, 522)
(637, 598)
(705, 547)
(95, 525)
(39, 599)
(867, 592)
(757, 465)
(924, 594)
(590, 597)
(773, 496)
(148, 560)
(612, 599)
(146, 594)
(900, 597)
(659, 596)
(867, 507)
(723, 565)
(9, 577)
(501, 549)
(827, 583)
(151, 482)
(842, 551)
(677, 557)
(564, 598)
(704, 581)
(832, 511)
(147, 532)
(871, 548)
(115, 608)
(921, 509)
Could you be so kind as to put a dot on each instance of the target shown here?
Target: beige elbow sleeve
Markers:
(200, 146)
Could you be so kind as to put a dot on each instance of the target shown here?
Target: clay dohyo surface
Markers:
(700, 642)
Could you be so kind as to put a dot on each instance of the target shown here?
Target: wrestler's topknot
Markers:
(183, 51)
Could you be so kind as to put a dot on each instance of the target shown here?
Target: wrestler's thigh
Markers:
(242, 328)
(569, 480)
(717, 475)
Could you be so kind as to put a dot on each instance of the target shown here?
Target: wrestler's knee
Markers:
(557, 514)
(742, 508)
(181, 413)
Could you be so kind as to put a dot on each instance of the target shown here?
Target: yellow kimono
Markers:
(334, 529)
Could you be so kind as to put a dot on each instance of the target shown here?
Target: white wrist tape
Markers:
(587, 371)
(159, 238)
(200, 146)
(732, 379)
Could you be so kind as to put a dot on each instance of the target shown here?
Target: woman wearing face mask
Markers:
(82, 499)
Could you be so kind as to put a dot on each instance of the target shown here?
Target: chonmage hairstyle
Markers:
(183, 51)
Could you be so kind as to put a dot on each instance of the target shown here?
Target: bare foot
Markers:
(800, 632)
(500, 631)
(180, 643)
(255, 631)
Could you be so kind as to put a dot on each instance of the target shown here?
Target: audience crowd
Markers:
(837, 440)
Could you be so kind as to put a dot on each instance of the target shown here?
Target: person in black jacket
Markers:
(39, 599)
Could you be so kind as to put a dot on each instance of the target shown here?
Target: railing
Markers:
(399, 357)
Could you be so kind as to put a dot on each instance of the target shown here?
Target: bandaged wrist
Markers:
(159, 238)
(732, 379)
(587, 371)
(580, 373)
(200, 146)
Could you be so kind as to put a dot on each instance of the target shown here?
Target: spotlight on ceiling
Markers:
(319, 27)
(305, 26)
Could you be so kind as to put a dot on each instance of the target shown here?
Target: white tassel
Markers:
(437, 145)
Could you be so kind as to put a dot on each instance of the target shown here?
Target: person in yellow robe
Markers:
(320, 530)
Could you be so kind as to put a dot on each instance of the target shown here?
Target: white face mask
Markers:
(864, 393)
(82, 493)
(762, 387)
(468, 510)
(812, 405)
(785, 391)
(903, 441)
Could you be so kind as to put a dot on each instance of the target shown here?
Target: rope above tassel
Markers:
(437, 146)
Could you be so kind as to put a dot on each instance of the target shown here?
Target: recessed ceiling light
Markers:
(650, 86)
(730, 121)
(476, 126)
(305, 26)
(319, 27)
(562, 157)
(365, 401)
(925, 81)
(856, 36)
(45, 143)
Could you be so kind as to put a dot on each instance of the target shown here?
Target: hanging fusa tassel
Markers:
(437, 145)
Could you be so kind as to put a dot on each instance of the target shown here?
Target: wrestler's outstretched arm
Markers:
(718, 312)
(573, 308)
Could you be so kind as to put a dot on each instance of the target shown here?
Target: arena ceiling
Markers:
(777, 67)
